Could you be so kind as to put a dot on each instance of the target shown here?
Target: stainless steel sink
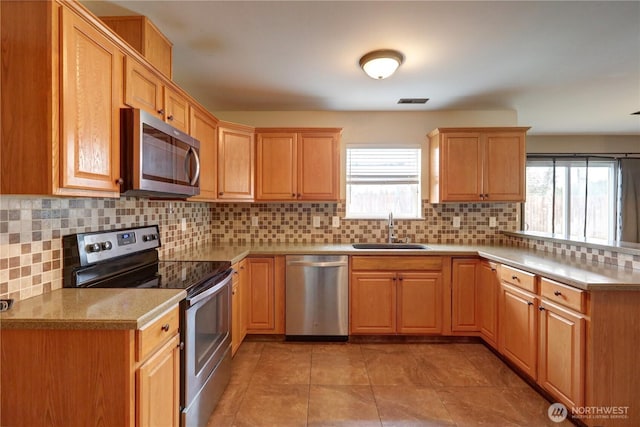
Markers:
(389, 246)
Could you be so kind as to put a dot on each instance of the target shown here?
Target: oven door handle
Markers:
(207, 293)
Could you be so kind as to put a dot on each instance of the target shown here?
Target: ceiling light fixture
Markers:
(380, 64)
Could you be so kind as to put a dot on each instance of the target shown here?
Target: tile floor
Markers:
(303, 384)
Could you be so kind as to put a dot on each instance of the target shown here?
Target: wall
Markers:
(583, 144)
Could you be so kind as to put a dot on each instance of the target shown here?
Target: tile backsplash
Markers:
(31, 229)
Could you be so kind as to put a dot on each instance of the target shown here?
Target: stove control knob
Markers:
(149, 237)
(94, 247)
(106, 245)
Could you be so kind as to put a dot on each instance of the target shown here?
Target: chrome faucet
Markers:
(390, 227)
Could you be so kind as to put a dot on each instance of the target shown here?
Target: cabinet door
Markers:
(91, 79)
(243, 284)
(235, 164)
(276, 166)
(518, 326)
(261, 315)
(176, 109)
(461, 167)
(562, 353)
(318, 163)
(504, 169)
(372, 303)
(158, 390)
(419, 303)
(235, 315)
(464, 310)
(143, 89)
(204, 128)
(487, 287)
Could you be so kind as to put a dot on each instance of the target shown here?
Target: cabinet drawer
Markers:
(563, 294)
(396, 263)
(518, 278)
(156, 333)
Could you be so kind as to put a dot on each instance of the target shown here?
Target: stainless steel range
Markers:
(129, 258)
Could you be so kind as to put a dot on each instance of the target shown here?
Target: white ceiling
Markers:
(567, 67)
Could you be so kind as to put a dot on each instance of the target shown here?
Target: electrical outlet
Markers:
(493, 222)
(183, 224)
(316, 221)
(456, 222)
(335, 221)
(254, 221)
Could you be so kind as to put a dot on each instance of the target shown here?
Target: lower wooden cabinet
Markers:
(390, 295)
(158, 387)
(75, 377)
(488, 287)
(562, 353)
(265, 284)
(464, 295)
(518, 326)
(372, 303)
(239, 305)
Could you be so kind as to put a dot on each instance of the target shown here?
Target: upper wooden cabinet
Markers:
(144, 89)
(204, 128)
(297, 164)
(236, 153)
(477, 164)
(61, 97)
(144, 37)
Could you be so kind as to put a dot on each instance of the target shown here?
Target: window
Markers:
(571, 197)
(383, 180)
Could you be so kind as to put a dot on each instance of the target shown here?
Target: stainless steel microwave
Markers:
(158, 160)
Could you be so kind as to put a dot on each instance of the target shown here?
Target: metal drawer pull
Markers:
(541, 308)
(557, 293)
(529, 303)
(514, 278)
(165, 327)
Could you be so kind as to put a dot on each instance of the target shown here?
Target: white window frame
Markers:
(371, 179)
(569, 162)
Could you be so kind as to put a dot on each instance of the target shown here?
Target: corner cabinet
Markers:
(61, 97)
(297, 164)
(236, 154)
(477, 164)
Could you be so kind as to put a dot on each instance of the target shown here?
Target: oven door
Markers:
(207, 335)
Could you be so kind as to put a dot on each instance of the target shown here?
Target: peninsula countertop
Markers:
(575, 272)
(91, 308)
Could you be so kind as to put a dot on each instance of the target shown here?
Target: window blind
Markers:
(383, 166)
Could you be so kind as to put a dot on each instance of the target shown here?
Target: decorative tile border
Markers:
(31, 229)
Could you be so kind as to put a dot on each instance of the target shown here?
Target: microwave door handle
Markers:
(186, 165)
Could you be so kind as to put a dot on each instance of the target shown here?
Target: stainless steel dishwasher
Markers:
(317, 298)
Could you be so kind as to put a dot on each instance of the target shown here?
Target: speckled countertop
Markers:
(581, 274)
(83, 308)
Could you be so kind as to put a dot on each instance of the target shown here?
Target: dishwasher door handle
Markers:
(317, 264)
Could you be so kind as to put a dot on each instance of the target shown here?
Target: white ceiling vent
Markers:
(413, 100)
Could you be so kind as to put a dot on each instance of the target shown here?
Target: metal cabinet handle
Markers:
(161, 111)
(557, 293)
(119, 181)
(165, 327)
(541, 308)
(170, 117)
(529, 303)
(515, 278)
